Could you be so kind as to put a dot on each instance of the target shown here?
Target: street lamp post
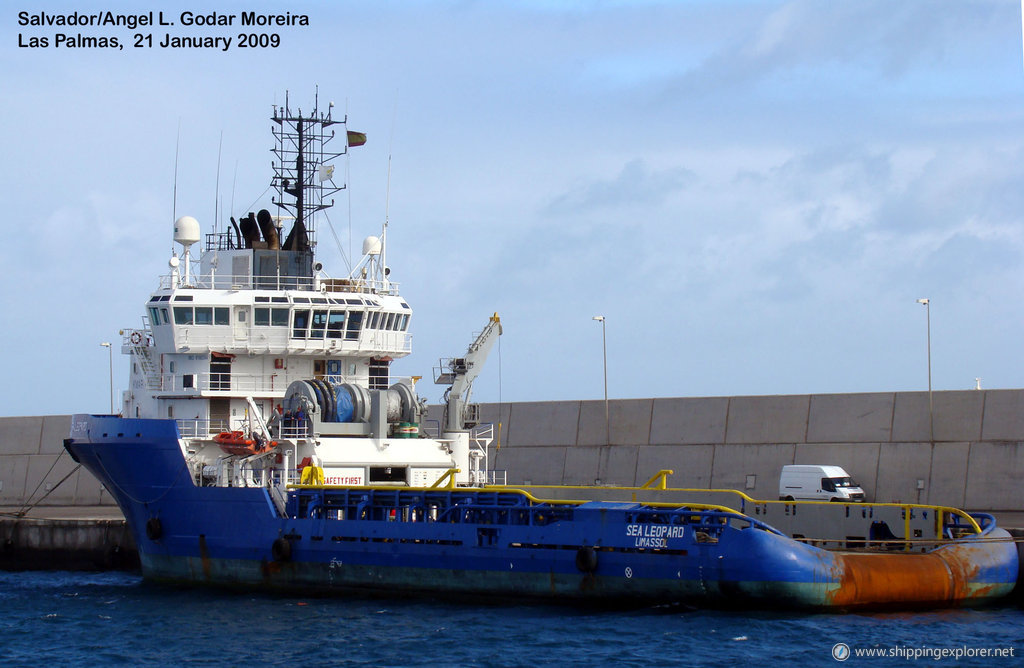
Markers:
(604, 351)
(928, 317)
(110, 350)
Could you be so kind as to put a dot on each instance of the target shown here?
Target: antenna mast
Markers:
(302, 168)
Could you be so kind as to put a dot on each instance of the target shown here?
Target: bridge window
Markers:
(319, 324)
(355, 320)
(182, 315)
(405, 323)
(154, 316)
(261, 317)
(221, 315)
(335, 324)
(204, 315)
(279, 317)
(300, 323)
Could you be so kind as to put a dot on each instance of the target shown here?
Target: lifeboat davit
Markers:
(237, 443)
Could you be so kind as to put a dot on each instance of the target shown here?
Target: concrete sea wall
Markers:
(975, 461)
(33, 462)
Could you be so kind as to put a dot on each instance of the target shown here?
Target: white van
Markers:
(806, 482)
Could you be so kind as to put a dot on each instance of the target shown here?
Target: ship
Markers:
(264, 443)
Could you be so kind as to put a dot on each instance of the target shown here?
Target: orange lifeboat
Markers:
(236, 443)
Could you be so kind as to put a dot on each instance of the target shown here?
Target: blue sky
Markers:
(753, 193)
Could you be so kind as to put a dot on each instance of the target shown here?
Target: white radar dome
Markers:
(186, 230)
(371, 246)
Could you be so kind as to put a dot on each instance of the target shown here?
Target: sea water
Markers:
(99, 619)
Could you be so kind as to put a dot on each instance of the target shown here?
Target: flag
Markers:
(326, 172)
(356, 138)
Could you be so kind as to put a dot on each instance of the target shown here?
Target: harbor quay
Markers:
(968, 452)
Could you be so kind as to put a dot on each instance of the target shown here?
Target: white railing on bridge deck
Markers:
(226, 281)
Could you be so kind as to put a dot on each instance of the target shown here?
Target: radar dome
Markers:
(186, 230)
(371, 246)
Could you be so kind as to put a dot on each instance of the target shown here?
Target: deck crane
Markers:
(460, 372)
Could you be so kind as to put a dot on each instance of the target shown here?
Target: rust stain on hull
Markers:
(879, 579)
(204, 555)
(943, 576)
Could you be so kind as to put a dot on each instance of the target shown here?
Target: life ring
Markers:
(586, 560)
(281, 550)
(136, 338)
(154, 528)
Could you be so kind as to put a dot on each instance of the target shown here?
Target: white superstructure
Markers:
(265, 360)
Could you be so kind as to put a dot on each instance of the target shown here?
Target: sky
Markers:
(754, 193)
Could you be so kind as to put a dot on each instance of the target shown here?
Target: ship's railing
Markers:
(244, 383)
(510, 507)
(832, 525)
(202, 428)
(226, 382)
(294, 429)
(263, 338)
(225, 280)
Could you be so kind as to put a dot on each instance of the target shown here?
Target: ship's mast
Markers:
(302, 167)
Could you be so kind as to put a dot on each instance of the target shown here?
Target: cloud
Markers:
(636, 183)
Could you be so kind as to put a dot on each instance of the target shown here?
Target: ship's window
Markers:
(165, 298)
(279, 317)
(316, 330)
(171, 367)
(354, 301)
(182, 315)
(405, 322)
(221, 316)
(406, 306)
(301, 300)
(182, 298)
(204, 315)
(355, 320)
(319, 300)
(335, 324)
(154, 316)
(170, 411)
(261, 317)
(279, 300)
(154, 299)
(389, 322)
(300, 322)
(166, 319)
(371, 323)
(262, 299)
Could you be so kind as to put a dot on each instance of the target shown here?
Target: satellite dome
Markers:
(371, 246)
(186, 230)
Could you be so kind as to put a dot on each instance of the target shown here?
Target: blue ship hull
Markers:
(401, 540)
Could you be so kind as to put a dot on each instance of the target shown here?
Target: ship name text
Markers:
(653, 535)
